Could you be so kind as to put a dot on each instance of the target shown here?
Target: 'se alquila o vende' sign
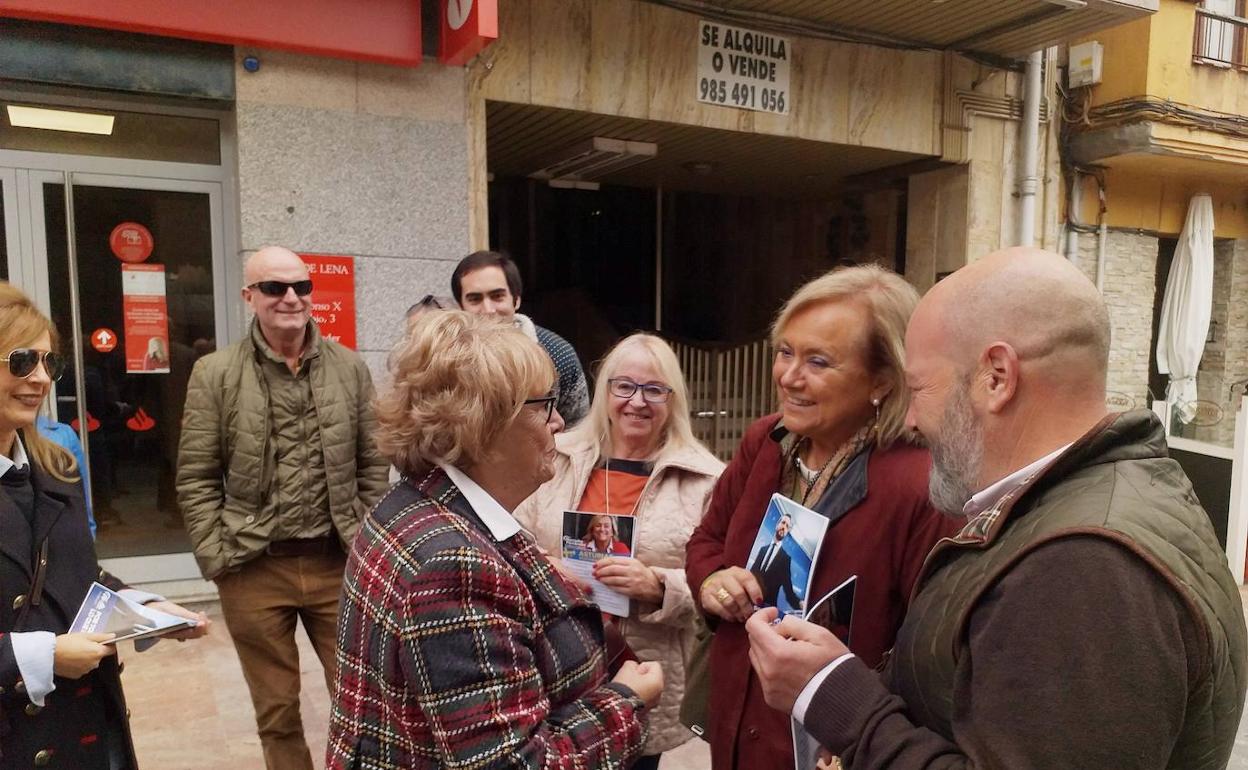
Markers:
(743, 68)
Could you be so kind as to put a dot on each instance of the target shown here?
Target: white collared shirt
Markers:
(18, 460)
(501, 524)
(979, 502)
(988, 497)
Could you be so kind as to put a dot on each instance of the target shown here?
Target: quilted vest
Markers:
(1116, 482)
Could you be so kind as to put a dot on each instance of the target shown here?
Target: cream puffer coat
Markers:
(670, 506)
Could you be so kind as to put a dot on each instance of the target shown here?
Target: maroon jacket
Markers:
(882, 529)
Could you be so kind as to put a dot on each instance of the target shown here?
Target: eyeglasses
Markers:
(651, 393)
(279, 288)
(548, 401)
(22, 363)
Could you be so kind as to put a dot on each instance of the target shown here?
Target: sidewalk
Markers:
(190, 709)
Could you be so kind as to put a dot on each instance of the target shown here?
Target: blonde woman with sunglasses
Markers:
(60, 695)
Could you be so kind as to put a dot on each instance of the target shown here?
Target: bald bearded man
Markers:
(1085, 616)
(276, 467)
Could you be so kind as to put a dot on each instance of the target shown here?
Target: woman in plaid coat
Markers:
(459, 644)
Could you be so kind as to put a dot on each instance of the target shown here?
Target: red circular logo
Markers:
(104, 340)
(131, 242)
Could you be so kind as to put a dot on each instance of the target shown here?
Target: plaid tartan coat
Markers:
(459, 651)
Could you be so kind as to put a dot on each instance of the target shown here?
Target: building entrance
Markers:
(131, 269)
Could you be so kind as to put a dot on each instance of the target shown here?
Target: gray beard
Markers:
(957, 455)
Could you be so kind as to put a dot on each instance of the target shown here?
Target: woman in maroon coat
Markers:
(839, 446)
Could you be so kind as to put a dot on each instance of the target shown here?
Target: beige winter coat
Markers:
(669, 508)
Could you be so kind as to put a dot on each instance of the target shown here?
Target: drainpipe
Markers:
(1028, 181)
(1072, 216)
(1102, 235)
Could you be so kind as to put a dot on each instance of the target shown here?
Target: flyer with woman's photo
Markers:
(589, 537)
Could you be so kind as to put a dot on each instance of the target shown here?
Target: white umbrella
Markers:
(1187, 306)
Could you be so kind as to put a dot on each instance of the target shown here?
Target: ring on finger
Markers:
(723, 596)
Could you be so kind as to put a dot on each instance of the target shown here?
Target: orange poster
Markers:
(146, 318)
(333, 296)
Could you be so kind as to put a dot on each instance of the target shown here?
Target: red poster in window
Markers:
(333, 296)
(146, 319)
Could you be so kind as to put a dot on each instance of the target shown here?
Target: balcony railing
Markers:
(1220, 40)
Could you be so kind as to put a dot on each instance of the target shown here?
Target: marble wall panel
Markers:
(619, 66)
(559, 53)
(894, 99)
(509, 75)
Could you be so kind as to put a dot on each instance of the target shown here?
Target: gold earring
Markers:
(876, 403)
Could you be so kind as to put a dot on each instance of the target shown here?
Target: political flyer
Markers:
(590, 537)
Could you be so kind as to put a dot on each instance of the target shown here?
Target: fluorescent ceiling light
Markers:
(60, 120)
(595, 158)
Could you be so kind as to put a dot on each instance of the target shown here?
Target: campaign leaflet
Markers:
(105, 611)
(835, 612)
(784, 553)
(589, 537)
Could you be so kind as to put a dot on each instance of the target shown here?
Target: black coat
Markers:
(83, 720)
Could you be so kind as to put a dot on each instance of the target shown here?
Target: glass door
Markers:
(8, 220)
(147, 303)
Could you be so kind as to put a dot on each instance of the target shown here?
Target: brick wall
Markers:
(1129, 283)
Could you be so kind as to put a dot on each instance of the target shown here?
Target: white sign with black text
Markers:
(743, 68)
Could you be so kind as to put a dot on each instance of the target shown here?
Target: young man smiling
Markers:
(488, 283)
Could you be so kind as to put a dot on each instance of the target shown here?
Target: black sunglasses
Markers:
(22, 363)
(548, 401)
(279, 288)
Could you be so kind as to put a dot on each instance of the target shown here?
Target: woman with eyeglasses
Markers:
(635, 454)
(61, 703)
(840, 447)
(459, 643)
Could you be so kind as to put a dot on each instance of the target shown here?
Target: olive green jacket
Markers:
(1117, 483)
(227, 460)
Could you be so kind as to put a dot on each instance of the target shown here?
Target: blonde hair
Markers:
(21, 323)
(459, 380)
(677, 431)
(889, 302)
(589, 528)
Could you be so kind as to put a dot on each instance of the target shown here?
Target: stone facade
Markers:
(1129, 285)
(1211, 380)
(1235, 371)
(366, 160)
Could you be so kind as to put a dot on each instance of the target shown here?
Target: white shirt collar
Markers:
(985, 499)
(18, 460)
(501, 524)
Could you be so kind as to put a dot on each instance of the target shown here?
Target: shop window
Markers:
(1221, 37)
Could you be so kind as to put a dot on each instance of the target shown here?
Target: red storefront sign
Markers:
(131, 242)
(146, 319)
(333, 296)
(468, 26)
(372, 30)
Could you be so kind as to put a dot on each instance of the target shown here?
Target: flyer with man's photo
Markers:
(590, 537)
(784, 553)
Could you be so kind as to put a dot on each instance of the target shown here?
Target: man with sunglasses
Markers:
(276, 467)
